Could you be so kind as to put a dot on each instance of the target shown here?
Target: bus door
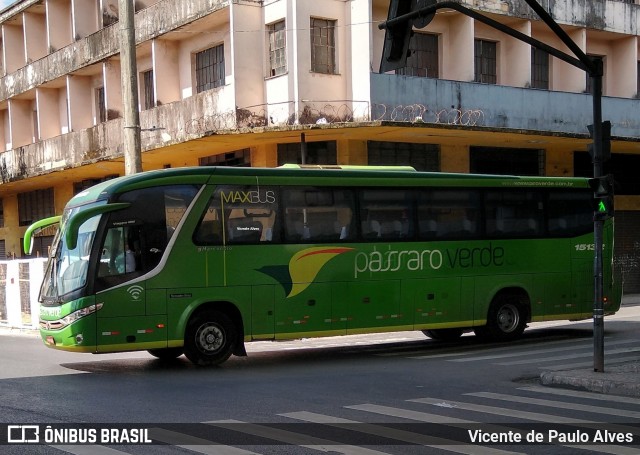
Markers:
(124, 318)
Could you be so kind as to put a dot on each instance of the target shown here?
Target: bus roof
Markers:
(316, 175)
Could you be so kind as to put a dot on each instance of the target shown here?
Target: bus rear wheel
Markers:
(209, 338)
(443, 334)
(166, 353)
(506, 320)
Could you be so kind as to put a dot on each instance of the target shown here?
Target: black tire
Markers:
(166, 353)
(209, 338)
(444, 334)
(506, 320)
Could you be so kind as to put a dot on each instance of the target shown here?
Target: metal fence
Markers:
(20, 281)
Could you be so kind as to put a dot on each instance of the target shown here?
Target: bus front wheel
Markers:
(209, 338)
(506, 320)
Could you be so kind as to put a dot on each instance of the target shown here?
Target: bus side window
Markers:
(318, 215)
(209, 230)
(386, 214)
(514, 213)
(569, 212)
(120, 253)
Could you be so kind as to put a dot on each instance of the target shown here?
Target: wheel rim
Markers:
(210, 338)
(508, 318)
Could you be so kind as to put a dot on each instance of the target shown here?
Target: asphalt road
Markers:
(396, 393)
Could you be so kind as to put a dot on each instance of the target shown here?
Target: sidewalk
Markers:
(622, 379)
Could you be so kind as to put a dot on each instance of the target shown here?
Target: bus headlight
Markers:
(70, 319)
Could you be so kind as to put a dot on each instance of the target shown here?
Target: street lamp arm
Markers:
(583, 62)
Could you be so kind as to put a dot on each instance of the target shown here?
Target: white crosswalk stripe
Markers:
(293, 438)
(546, 351)
(557, 404)
(87, 450)
(581, 394)
(195, 444)
(538, 417)
(464, 415)
(399, 435)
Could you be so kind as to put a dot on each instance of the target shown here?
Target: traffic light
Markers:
(606, 141)
(398, 35)
(603, 197)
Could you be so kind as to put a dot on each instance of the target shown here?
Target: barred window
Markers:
(210, 68)
(539, 69)
(35, 205)
(239, 158)
(323, 46)
(589, 84)
(101, 109)
(149, 97)
(423, 58)
(506, 161)
(277, 48)
(322, 152)
(422, 157)
(486, 61)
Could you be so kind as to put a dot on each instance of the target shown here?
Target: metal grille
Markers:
(422, 157)
(101, 110)
(323, 152)
(539, 69)
(277, 49)
(423, 59)
(210, 68)
(149, 95)
(486, 61)
(35, 205)
(506, 161)
(239, 158)
(589, 84)
(323, 46)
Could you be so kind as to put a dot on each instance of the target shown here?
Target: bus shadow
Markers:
(303, 357)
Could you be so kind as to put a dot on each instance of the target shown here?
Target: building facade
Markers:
(249, 82)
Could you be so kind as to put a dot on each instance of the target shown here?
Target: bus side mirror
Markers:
(36, 227)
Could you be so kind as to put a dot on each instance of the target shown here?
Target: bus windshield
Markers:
(67, 267)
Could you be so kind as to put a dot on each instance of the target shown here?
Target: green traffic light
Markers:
(601, 207)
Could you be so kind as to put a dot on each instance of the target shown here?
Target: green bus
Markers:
(201, 260)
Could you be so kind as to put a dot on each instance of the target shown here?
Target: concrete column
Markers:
(454, 158)
(515, 62)
(35, 35)
(558, 163)
(12, 295)
(48, 112)
(351, 152)
(13, 46)
(265, 155)
(165, 71)
(458, 61)
(622, 68)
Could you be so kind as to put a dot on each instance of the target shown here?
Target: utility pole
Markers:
(131, 130)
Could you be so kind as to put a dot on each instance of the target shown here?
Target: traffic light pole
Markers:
(598, 224)
(399, 24)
